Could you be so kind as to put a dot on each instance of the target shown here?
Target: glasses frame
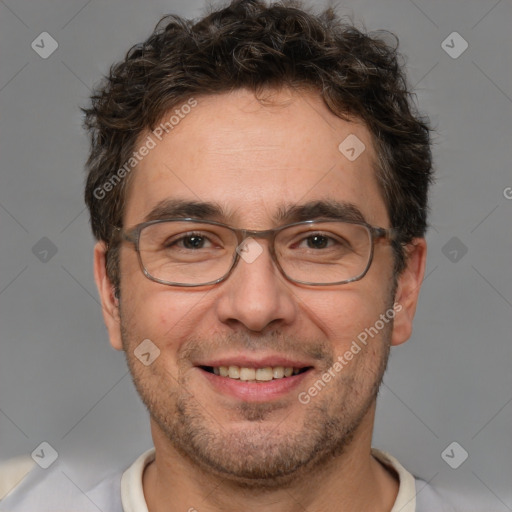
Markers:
(376, 233)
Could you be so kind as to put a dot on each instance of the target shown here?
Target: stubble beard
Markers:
(262, 455)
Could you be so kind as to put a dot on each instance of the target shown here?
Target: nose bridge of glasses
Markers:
(244, 234)
(266, 234)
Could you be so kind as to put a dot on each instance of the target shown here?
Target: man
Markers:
(258, 188)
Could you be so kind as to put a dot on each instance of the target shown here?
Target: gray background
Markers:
(59, 379)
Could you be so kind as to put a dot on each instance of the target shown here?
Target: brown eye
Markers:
(193, 242)
(317, 242)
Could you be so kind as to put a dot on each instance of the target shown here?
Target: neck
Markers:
(351, 481)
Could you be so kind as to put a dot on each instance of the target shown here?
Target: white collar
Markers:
(406, 498)
(132, 494)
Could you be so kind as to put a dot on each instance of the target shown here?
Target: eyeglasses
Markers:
(192, 252)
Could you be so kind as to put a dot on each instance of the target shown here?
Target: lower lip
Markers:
(255, 391)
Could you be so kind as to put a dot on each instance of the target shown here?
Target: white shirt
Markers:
(25, 487)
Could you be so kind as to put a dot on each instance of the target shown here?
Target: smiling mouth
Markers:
(264, 374)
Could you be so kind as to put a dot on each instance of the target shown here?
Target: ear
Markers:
(408, 290)
(109, 302)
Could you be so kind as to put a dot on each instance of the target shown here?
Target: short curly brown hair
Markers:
(251, 45)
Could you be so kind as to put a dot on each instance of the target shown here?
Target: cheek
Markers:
(178, 311)
(344, 314)
(168, 317)
(153, 310)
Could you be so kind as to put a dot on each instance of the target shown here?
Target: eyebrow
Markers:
(285, 213)
(325, 209)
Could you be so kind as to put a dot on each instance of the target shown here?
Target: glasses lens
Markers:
(324, 252)
(184, 252)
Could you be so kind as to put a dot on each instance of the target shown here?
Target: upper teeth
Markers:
(261, 374)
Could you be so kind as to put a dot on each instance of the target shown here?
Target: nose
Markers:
(255, 294)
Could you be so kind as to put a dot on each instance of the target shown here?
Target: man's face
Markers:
(251, 160)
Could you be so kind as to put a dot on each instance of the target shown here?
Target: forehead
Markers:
(255, 159)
